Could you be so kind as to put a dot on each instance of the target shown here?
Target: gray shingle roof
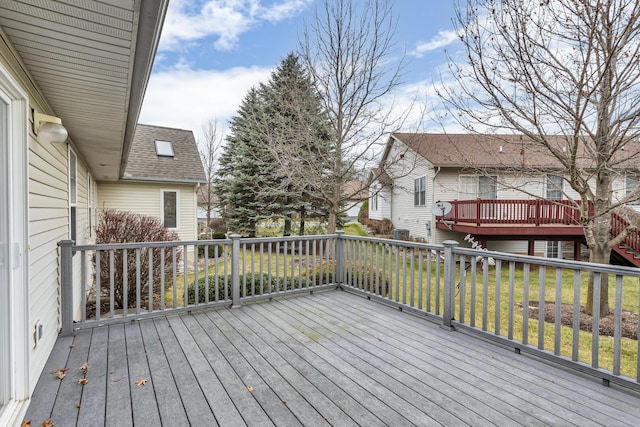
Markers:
(144, 164)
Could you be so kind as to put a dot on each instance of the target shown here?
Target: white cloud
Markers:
(442, 39)
(224, 19)
(188, 99)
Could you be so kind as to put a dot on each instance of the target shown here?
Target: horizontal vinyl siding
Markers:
(144, 199)
(48, 224)
(404, 214)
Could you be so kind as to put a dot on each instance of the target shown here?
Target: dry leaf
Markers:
(250, 389)
(284, 402)
(72, 346)
(83, 381)
(84, 367)
(78, 405)
(47, 423)
(60, 373)
(26, 423)
(491, 356)
(141, 381)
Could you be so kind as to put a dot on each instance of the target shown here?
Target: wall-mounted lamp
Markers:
(49, 128)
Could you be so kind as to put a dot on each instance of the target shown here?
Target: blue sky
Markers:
(212, 51)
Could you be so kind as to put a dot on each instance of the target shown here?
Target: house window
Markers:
(164, 148)
(553, 249)
(374, 202)
(169, 208)
(554, 187)
(419, 191)
(73, 194)
(631, 183)
(477, 187)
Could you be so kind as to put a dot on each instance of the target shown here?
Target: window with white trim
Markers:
(553, 249)
(472, 187)
(554, 187)
(169, 203)
(73, 195)
(420, 191)
(374, 202)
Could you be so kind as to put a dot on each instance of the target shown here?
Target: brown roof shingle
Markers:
(144, 164)
(501, 151)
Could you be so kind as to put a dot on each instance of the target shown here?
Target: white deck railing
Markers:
(495, 295)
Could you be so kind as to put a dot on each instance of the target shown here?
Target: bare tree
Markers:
(348, 49)
(566, 75)
(209, 150)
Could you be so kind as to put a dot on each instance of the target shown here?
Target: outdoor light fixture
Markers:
(49, 128)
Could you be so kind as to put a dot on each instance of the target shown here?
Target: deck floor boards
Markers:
(331, 358)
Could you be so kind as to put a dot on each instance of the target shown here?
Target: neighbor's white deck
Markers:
(331, 358)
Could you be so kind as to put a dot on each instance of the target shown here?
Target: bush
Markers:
(214, 249)
(363, 213)
(269, 284)
(377, 226)
(218, 226)
(325, 271)
(128, 227)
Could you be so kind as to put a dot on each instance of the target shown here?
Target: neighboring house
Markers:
(84, 64)
(422, 169)
(357, 192)
(161, 179)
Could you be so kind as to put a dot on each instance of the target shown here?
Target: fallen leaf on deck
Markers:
(47, 423)
(141, 381)
(83, 381)
(284, 402)
(72, 346)
(491, 356)
(26, 423)
(78, 405)
(84, 367)
(250, 389)
(60, 373)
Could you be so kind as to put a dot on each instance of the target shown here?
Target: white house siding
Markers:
(144, 199)
(384, 202)
(404, 214)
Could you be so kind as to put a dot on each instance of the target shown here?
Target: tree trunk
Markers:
(333, 220)
(303, 214)
(599, 255)
(287, 226)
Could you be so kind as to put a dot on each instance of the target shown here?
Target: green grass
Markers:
(354, 229)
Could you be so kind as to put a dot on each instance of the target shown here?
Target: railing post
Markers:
(478, 212)
(449, 283)
(235, 270)
(340, 258)
(66, 286)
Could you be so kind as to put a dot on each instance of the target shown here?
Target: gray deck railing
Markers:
(495, 295)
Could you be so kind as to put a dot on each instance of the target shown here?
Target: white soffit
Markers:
(91, 60)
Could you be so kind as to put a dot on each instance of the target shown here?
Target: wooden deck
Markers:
(332, 358)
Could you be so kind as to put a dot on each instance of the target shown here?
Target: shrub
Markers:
(128, 227)
(214, 249)
(363, 213)
(324, 274)
(269, 284)
(218, 226)
(377, 226)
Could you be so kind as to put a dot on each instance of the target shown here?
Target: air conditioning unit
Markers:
(401, 234)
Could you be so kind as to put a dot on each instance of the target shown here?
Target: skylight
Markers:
(164, 148)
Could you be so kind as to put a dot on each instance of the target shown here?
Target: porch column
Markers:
(449, 283)
(235, 270)
(531, 247)
(66, 286)
(577, 250)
